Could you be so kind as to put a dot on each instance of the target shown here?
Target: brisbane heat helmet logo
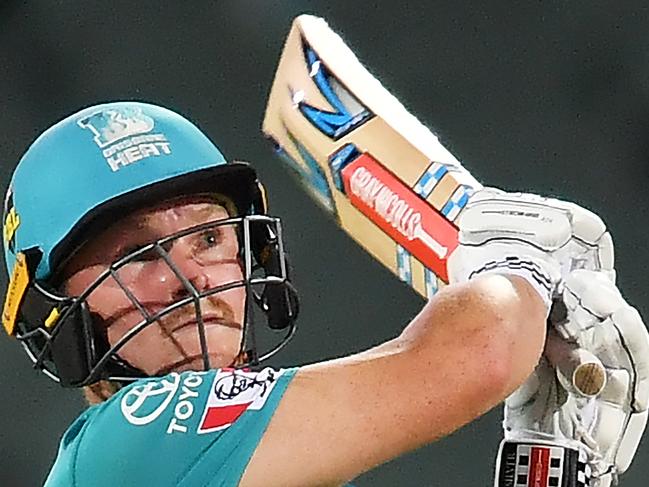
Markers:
(112, 125)
(124, 136)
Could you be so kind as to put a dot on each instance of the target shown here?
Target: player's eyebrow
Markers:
(136, 238)
(143, 228)
(136, 230)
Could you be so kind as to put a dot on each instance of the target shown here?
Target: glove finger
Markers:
(589, 232)
(634, 340)
(600, 319)
(621, 342)
(548, 222)
(589, 297)
(587, 228)
(586, 225)
(606, 255)
(543, 227)
(594, 292)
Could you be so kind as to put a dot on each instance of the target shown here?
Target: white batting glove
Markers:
(554, 434)
(539, 239)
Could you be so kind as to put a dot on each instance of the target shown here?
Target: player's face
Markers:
(207, 259)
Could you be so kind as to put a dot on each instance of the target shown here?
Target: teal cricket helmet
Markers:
(81, 175)
(82, 171)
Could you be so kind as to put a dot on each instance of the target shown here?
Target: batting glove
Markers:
(558, 436)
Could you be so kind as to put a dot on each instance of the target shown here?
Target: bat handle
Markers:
(578, 370)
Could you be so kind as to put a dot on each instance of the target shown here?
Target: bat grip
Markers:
(578, 370)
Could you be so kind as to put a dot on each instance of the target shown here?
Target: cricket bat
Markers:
(385, 177)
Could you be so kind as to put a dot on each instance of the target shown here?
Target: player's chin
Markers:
(216, 361)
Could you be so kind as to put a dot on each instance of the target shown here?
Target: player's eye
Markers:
(210, 238)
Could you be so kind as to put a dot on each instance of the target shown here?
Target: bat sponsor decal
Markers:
(399, 212)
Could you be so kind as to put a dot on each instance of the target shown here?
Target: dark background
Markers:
(550, 96)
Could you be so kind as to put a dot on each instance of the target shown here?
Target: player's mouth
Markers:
(208, 320)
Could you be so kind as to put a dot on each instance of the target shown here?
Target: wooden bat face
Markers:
(384, 176)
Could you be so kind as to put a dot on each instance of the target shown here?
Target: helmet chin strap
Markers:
(119, 368)
(128, 371)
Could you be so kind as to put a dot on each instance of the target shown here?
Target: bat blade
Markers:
(386, 178)
(388, 181)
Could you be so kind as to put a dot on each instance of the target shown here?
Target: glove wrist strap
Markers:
(540, 464)
(529, 270)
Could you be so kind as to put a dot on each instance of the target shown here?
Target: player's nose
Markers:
(178, 277)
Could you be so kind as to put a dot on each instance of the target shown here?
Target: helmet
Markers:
(85, 172)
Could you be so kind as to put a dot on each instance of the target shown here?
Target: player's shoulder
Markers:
(194, 402)
(204, 419)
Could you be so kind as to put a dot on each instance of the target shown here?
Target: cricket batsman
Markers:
(141, 262)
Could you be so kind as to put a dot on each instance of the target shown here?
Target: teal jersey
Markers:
(194, 429)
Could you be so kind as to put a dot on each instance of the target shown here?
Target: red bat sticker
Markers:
(397, 210)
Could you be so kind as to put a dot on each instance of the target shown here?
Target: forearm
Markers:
(524, 326)
(460, 356)
(492, 329)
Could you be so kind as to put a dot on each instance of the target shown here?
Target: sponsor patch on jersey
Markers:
(233, 393)
(124, 136)
(146, 403)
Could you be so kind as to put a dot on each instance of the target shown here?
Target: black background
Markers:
(548, 96)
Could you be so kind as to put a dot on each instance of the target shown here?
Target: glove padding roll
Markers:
(539, 239)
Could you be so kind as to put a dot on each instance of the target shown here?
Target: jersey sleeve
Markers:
(195, 429)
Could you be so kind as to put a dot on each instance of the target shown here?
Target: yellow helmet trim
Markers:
(15, 293)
